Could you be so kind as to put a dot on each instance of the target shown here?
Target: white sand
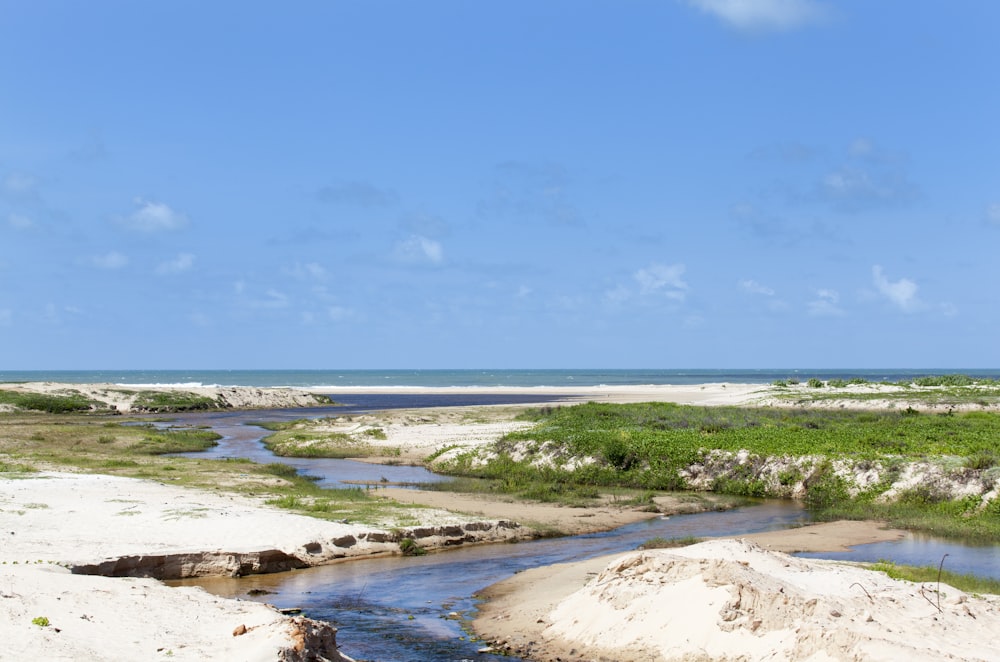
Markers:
(732, 600)
(87, 518)
(703, 394)
(48, 521)
(97, 618)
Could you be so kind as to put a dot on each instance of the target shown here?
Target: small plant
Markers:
(40, 621)
(409, 547)
(668, 543)
(814, 383)
(780, 383)
(982, 460)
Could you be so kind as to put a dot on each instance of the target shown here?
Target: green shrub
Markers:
(172, 401)
(982, 460)
(824, 488)
(51, 404)
(409, 547)
(814, 383)
(669, 543)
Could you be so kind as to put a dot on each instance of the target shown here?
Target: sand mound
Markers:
(732, 600)
(49, 614)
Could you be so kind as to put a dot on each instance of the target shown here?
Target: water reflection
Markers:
(397, 608)
(923, 550)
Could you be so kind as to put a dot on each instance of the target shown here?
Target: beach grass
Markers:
(933, 574)
(68, 442)
(311, 438)
(72, 401)
(653, 446)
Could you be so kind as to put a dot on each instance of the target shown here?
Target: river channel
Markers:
(413, 608)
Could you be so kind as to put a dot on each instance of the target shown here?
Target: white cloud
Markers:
(656, 280)
(183, 262)
(993, 213)
(763, 15)
(852, 189)
(153, 217)
(112, 260)
(417, 249)
(902, 293)
(861, 147)
(360, 194)
(662, 279)
(310, 270)
(200, 319)
(339, 313)
(825, 304)
(753, 287)
(19, 221)
(273, 299)
(19, 184)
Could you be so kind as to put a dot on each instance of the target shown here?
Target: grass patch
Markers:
(578, 450)
(48, 403)
(409, 547)
(670, 543)
(172, 401)
(74, 442)
(932, 574)
(175, 440)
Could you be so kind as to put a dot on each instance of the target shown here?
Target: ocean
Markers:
(521, 378)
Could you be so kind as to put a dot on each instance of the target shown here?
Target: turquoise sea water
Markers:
(445, 378)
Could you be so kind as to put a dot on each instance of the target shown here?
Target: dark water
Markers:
(483, 377)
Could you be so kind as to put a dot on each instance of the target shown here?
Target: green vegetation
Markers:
(49, 403)
(314, 438)
(409, 547)
(173, 440)
(525, 485)
(581, 449)
(172, 401)
(299, 443)
(15, 467)
(40, 621)
(937, 390)
(670, 543)
(33, 441)
(934, 574)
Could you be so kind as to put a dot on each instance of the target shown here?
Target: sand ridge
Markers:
(732, 600)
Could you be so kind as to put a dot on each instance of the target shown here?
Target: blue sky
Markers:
(670, 183)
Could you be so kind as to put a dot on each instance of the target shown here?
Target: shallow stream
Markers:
(413, 608)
